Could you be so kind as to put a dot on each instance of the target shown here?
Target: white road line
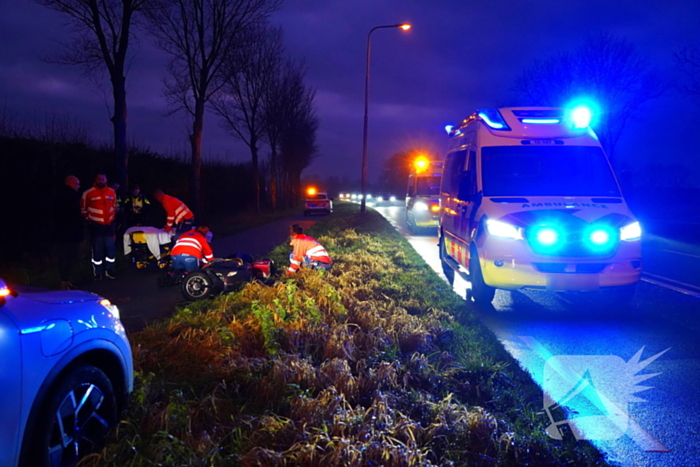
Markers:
(679, 253)
(657, 280)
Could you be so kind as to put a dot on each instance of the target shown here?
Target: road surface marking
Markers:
(684, 254)
(691, 290)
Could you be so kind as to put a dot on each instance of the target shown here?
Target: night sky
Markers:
(459, 56)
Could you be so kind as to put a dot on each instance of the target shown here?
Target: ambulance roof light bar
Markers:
(493, 119)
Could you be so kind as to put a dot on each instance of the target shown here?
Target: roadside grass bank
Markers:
(376, 362)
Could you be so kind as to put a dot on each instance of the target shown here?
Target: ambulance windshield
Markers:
(428, 185)
(547, 171)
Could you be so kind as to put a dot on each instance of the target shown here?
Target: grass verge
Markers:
(376, 362)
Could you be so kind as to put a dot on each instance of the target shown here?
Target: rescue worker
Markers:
(307, 252)
(99, 206)
(69, 228)
(191, 249)
(179, 216)
(136, 207)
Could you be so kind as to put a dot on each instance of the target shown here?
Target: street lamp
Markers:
(404, 27)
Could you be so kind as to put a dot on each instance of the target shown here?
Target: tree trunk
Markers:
(256, 174)
(121, 153)
(196, 141)
(273, 179)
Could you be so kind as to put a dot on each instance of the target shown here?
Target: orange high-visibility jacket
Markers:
(194, 244)
(305, 246)
(176, 210)
(99, 205)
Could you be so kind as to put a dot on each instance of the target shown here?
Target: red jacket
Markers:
(194, 244)
(176, 210)
(99, 205)
(305, 246)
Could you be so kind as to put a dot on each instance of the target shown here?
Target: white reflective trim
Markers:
(316, 250)
(109, 260)
(96, 263)
(94, 210)
(295, 262)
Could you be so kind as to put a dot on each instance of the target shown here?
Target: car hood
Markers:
(527, 211)
(58, 297)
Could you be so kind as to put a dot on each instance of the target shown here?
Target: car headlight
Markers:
(631, 232)
(392, 199)
(420, 206)
(114, 311)
(503, 230)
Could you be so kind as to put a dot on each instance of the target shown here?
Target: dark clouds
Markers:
(460, 55)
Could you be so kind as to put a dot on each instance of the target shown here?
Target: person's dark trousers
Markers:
(182, 227)
(103, 248)
(67, 259)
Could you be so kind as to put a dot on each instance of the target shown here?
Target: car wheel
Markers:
(446, 268)
(75, 418)
(480, 292)
(198, 286)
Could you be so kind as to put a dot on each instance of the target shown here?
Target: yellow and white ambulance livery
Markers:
(529, 200)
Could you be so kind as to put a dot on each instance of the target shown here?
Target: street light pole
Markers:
(405, 27)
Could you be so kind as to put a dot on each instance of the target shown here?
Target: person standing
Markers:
(99, 206)
(69, 227)
(307, 252)
(136, 207)
(179, 216)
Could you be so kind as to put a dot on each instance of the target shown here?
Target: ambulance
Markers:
(529, 200)
(423, 194)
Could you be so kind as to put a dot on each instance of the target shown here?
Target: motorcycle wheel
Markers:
(199, 285)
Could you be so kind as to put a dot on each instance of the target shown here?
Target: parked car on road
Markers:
(66, 373)
(318, 202)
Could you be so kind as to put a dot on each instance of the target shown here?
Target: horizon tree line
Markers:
(224, 57)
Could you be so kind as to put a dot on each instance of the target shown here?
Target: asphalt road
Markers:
(574, 345)
(140, 300)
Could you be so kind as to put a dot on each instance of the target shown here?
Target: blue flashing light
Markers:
(600, 238)
(449, 128)
(493, 119)
(541, 121)
(581, 117)
(547, 236)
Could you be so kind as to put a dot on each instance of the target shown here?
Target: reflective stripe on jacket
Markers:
(305, 246)
(99, 205)
(176, 210)
(194, 244)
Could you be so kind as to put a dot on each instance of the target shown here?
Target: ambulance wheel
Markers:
(198, 285)
(446, 268)
(480, 292)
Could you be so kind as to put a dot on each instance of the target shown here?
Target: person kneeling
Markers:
(307, 251)
(191, 250)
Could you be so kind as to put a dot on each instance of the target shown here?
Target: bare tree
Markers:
(199, 35)
(606, 69)
(103, 32)
(246, 77)
(291, 126)
(688, 62)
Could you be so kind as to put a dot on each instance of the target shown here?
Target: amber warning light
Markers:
(311, 191)
(421, 163)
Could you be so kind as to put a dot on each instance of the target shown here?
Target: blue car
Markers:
(66, 374)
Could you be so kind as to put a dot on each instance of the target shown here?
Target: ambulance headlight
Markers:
(503, 230)
(420, 206)
(631, 232)
(392, 198)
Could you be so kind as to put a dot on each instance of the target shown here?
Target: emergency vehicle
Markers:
(317, 202)
(529, 201)
(423, 194)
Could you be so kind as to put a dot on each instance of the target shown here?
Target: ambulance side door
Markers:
(467, 204)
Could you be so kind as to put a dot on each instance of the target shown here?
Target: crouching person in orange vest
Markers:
(191, 249)
(307, 252)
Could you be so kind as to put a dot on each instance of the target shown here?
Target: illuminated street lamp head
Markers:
(405, 26)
